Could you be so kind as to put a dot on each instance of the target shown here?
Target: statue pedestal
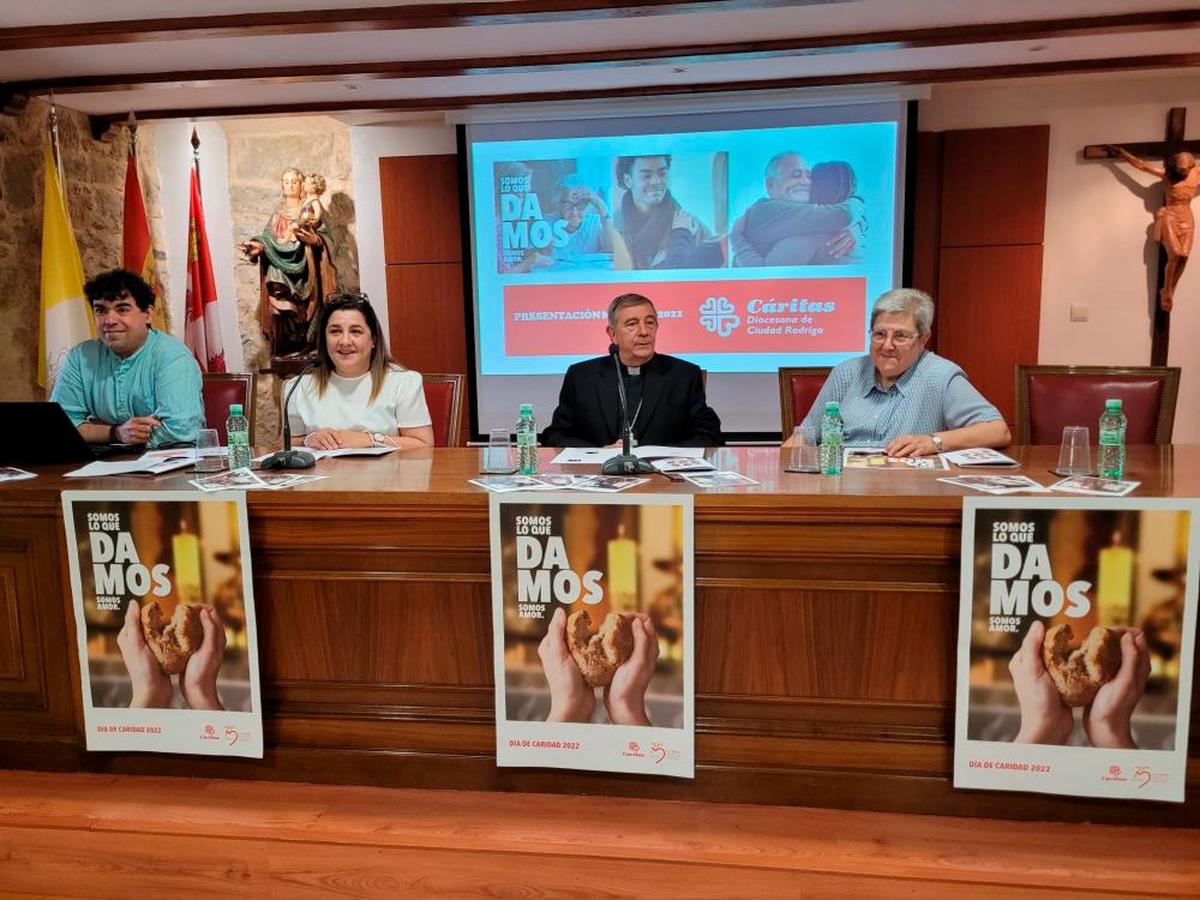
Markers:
(287, 367)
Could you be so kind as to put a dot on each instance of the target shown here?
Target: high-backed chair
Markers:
(798, 388)
(1051, 397)
(444, 397)
(222, 390)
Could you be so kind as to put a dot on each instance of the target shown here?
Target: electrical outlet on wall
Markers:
(1079, 312)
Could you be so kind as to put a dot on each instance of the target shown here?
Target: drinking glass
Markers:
(1075, 454)
(208, 451)
(497, 455)
(804, 457)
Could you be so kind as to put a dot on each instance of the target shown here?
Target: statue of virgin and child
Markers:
(296, 270)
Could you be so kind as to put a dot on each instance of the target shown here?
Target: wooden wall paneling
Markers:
(425, 310)
(426, 322)
(420, 209)
(989, 269)
(925, 241)
(423, 249)
(990, 313)
(994, 185)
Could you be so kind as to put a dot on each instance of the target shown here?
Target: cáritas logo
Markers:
(719, 316)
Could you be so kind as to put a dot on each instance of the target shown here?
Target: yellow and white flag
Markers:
(66, 319)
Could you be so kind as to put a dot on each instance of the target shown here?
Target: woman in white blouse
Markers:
(357, 396)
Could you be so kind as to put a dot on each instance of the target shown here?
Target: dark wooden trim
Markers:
(369, 18)
(903, 77)
(668, 55)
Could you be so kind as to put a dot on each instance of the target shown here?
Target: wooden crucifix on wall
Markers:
(1174, 222)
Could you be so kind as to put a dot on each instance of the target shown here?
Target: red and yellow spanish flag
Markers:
(202, 331)
(137, 250)
(66, 319)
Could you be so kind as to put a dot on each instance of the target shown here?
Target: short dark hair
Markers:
(623, 300)
(625, 163)
(117, 284)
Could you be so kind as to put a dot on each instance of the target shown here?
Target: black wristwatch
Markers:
(113, 436)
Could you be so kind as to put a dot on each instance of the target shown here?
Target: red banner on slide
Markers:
(769, 315)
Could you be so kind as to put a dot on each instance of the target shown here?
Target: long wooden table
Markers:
(826, 626)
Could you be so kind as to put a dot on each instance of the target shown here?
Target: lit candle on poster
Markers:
(622, 572)
(1114, 588)
(185, 546)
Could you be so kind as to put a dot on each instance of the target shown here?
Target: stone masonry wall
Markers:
(94, 178)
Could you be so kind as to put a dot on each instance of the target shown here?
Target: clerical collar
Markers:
(634, 370)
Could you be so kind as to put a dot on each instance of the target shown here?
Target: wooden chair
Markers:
(798, 388)
(1051, 397)
(222, 390)
(444, 397)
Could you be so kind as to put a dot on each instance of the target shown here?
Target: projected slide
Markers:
(760, 248)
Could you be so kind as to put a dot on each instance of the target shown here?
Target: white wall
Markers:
(367, 144)
(1097, 215)
(173, 148)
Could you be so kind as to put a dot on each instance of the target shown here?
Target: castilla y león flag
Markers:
(203, 328)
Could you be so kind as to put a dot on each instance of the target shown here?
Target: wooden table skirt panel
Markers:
(40, 722)
(826, 625)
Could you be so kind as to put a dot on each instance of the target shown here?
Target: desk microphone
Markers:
(626, 463)
(287, 458)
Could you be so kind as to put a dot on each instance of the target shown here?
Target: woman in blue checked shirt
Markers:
(903, 397)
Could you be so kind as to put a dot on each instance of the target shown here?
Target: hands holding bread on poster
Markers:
(1106, 675)
(191, 645)
(618, 657)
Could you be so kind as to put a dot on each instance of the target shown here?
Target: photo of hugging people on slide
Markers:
(807, 215)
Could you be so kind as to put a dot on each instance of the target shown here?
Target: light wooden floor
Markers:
(138, 837)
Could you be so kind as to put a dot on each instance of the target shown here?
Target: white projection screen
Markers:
(762, 236)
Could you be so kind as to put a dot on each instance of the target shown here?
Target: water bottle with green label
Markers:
(1111, 458)
(237, 435)
(526, 441)
(831, 439)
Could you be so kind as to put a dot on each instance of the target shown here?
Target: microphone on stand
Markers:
(287, 458)
(626, 463)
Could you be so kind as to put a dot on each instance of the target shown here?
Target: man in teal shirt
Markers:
(132, 384)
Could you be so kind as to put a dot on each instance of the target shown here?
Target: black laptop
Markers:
(48, 438)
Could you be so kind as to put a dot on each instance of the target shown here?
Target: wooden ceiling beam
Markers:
(899, 77)
(680, 55)
(372, 18)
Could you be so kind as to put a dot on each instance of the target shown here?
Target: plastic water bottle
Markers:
(1111, 458)
(831, 439)
(237, 435)
(526, 441)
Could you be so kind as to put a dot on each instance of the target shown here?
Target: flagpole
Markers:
(196, 157)
(54, 139)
